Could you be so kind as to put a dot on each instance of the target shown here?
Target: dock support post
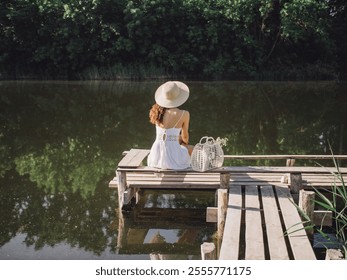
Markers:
(333, 254)
(224, 180)
(138, 193)
(290, 162)
(295, 182)
(222, 210)
(122, 185)
(306, 203)
(121, 231)
(208, 251)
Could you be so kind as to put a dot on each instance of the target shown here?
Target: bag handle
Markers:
(208, 140)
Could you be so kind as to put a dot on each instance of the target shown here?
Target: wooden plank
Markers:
(252, 183)
(231, 243)
(171, 179)
(242, 169)
(157, 183)
(133, 159)
(113, 183)
(300, 245)
(174, 175)
(138, 179)
(174, 186)
(276, 242)
(318, 181)
(193, 178)
(177, 181)
(259, 157)
(263, 157)
(254, 233)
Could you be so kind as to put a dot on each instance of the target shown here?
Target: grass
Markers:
(338, 194)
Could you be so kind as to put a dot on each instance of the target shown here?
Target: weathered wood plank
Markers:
(243, 169)
(314, 182)
(133, 158)
(300, 245)
(166, 180)
(113, 183)
(276, 242)
(252, 183)
(259, 157)
(211, 186)
(230, 244)
(205, 176)
(147, 178)
(262, 157)
(254, 233)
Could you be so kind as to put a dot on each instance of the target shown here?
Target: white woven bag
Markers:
(207, 154)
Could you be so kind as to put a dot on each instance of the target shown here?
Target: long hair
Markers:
(156, 114)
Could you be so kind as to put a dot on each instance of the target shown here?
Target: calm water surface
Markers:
(60, 143)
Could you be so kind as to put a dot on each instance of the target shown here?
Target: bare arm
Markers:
(185, 128)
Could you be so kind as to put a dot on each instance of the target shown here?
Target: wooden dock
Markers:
(260, 220)
(256, 223)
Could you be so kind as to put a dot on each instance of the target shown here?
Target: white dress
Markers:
(166, 152)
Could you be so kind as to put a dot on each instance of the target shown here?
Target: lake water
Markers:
(60, 143)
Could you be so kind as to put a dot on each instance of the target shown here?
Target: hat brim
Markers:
(178, 101)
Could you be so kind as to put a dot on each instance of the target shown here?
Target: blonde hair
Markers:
(156, 114)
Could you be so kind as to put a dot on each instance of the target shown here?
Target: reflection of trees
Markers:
(67, 136)
(49, 219)
(70, 167)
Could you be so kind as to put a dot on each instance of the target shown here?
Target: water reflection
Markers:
(166, 225)
(61, 141)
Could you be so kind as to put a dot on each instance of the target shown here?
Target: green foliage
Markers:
(302, 18)
(215, 39)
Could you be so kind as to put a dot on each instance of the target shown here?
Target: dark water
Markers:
(60, 143)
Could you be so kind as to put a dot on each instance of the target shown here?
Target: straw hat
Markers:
(172, 94)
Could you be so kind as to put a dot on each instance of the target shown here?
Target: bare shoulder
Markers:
(186, 114)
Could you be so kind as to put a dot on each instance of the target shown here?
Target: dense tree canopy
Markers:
(209, 39)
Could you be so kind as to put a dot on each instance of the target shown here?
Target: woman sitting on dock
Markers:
(170, 149)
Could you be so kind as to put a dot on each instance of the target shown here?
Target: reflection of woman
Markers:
(170, 149)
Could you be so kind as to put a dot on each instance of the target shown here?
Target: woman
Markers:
(170, 149)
